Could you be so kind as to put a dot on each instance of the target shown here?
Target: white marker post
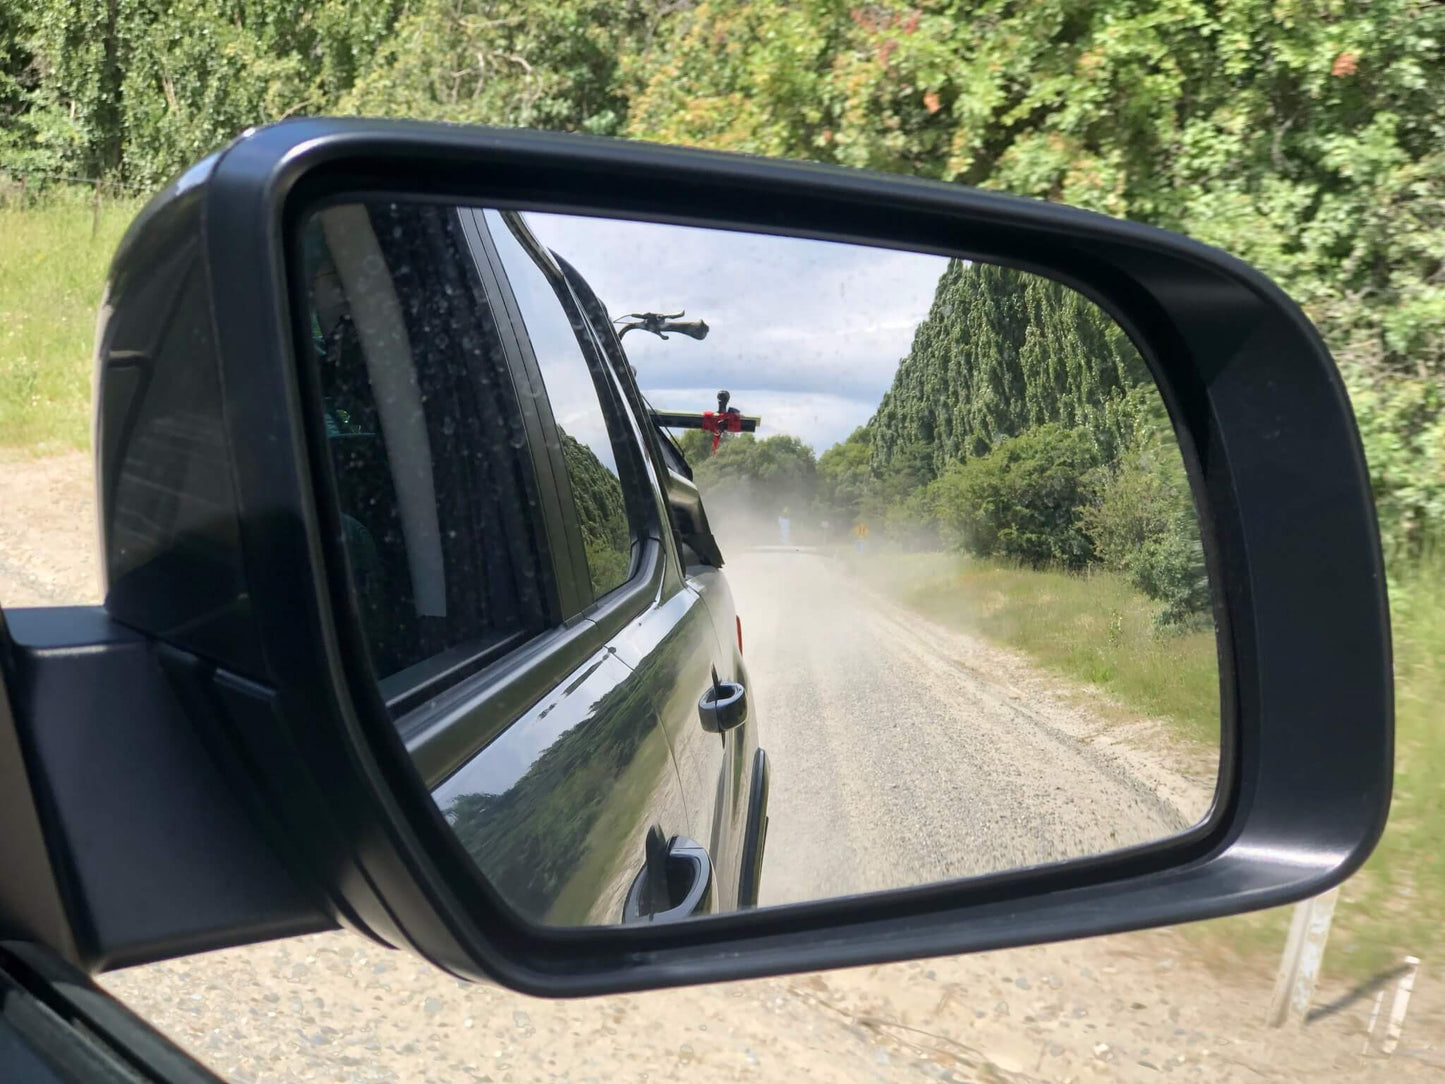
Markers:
(1402, 1002)
(1304, 951)
(1374, 1019)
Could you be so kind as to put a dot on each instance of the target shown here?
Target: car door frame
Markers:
(459, 721)
(637, 483)
(739, 845)
(433, 676)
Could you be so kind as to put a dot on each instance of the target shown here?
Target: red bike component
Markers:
(730, 421)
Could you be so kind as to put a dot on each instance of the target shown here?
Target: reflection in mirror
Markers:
(704, 570)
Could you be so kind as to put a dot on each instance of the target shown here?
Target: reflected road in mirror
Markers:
(906, 752)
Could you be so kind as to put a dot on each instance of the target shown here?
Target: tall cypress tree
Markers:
(1002, 351)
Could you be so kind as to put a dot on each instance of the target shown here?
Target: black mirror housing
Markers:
(224, 553)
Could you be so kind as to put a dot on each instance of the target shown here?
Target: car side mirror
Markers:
(267, 685)
(690, 518)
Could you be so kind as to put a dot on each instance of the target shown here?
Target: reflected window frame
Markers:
(639, 481)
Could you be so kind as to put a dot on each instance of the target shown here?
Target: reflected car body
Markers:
(500, 489)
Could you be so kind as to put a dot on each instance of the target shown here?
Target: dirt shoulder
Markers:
(336, 1007)
(1181, 772)
(49, 548)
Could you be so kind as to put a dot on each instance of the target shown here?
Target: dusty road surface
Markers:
(49, 549)
(336, 1007)
(905, 753)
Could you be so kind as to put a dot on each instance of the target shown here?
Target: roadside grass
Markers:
(1097, 630)
(1408, 868)
(52, 274)
(1093, 628)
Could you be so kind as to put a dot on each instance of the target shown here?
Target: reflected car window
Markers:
(424, 429)
(582, 425)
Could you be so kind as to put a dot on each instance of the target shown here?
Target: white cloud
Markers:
(808, 333)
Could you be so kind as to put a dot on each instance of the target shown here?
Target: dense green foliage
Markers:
(765, 475)
(1142, 523)
(1001, 352)
(1022, 499)
(695, 445)
(602, 515)
(1306, 136)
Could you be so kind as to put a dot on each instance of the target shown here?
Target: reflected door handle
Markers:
(723, 707)
(674, 883)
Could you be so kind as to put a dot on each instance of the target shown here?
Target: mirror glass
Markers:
(704, 570)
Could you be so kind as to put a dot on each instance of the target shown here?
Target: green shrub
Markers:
(1171, 569)
(1402, 428)
(910, 523)
(1142, 523)
(1021, 501)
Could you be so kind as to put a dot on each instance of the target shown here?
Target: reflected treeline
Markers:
(602, 515)
(531, 840)
(1002, 351)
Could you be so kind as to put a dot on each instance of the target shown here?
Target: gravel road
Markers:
(1135, 1008)
(905, 753)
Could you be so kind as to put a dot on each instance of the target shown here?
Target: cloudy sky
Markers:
(807, 334)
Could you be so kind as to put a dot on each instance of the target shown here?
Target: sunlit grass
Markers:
(52, 273)
(1092, 628)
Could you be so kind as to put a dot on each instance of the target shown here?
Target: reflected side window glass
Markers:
(576, 398)
(438, 502)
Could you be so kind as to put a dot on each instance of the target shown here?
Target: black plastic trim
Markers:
(150, 840)
(648, 436)
(569, 562)
(755, 835)
(86, 1034)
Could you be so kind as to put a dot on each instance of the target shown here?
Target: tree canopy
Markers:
(1002, 351)
(1305, 136)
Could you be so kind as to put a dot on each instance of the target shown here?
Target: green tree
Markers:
(999, 352)
(1143, 524)
(556, 65)
(765, 475)
(696, 446)
(845, 476)
(17, 76)
(1306, 136)
(136, 90)
(602, 514)
(1022, 500)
